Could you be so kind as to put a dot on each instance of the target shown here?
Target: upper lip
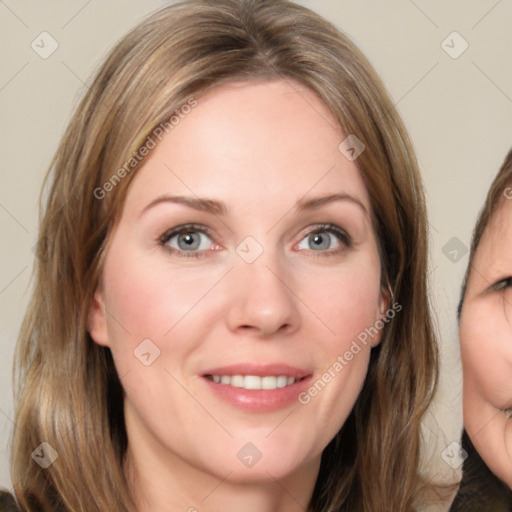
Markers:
(259, 370)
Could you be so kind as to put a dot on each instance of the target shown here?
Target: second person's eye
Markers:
(502, 284)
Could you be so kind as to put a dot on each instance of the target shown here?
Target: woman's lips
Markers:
(257, 388)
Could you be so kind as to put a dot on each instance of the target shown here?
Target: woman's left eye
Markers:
(328, 238)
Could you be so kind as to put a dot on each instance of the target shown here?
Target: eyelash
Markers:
(503, 284)
(342, 235)
(182, 230)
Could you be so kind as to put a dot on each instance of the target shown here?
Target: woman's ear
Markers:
(385, 300)
(97, 319)
(383, 307)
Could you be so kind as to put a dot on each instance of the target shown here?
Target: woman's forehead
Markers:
(493, 256)
(252, 140)
(497, 236)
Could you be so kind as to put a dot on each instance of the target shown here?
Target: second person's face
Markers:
(486, 346)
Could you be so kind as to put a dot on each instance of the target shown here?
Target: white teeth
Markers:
(237, 381)
(282, 380)
(508, 412)
(254, 381)
(268, 382)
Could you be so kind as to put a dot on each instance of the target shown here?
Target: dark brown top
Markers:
(7, 503)
(480, 490)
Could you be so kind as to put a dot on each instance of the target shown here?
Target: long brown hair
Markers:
(68, 392)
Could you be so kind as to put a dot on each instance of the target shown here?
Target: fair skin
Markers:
(259, 148)
(486, 346)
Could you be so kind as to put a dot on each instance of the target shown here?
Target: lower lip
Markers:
(259, 400)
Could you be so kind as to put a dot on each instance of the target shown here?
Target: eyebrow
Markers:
(200, 204)
(219, 208)
(317, 202)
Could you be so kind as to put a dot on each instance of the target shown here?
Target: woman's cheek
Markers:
(151, 296)
(353, 303)
(486, 349)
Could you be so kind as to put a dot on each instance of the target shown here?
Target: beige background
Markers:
(458, 112)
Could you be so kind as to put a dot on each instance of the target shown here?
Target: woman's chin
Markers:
(506, 475)
(497, 450)
(250, 465)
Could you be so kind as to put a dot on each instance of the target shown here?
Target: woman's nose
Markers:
(262, 300)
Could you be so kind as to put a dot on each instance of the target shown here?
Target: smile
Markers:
(257, 388)
(268, 382)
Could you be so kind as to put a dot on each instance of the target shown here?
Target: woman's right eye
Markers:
(188, 241)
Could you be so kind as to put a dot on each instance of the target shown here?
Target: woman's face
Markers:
(242, 271)
(486, 346)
